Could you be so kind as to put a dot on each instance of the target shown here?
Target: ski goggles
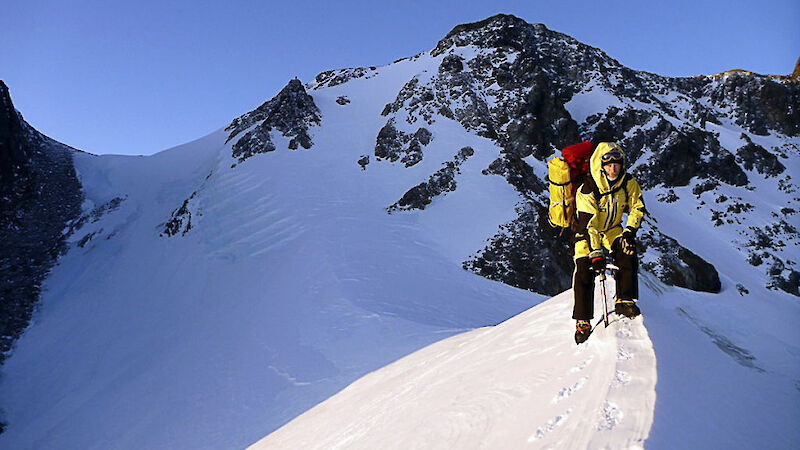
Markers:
(612, 156)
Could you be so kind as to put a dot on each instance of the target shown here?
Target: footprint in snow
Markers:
(624, 333)
(551, 425)
(621, 378)
(610, 417)
(624, 355)
(567, 391)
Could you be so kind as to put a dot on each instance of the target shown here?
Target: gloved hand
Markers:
(599, 263)
(629, 242)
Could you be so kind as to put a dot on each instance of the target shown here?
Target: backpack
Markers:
(566, 175)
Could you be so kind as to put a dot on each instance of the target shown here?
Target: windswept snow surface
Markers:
(523, 383)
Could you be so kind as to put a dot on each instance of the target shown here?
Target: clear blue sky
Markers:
(137, 77)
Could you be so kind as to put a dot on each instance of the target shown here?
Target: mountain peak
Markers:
(497, 20)
(12, 152)
(8, 114)
(500, 30)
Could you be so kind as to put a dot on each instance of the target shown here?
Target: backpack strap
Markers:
(558, 184)
(625, 188)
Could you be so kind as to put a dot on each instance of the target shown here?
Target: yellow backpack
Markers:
(562, 203)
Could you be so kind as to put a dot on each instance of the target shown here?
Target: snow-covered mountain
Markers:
(207, 295)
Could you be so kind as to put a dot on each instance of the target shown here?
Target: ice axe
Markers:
(614, 270)
(605, 297)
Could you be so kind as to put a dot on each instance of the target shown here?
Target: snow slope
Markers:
(522, 383)
(292, 283)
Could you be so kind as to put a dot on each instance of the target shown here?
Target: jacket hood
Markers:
(596, 166)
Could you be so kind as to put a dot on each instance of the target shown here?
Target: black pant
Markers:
(627, 281)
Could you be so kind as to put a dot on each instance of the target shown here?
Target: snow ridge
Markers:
(520, 382)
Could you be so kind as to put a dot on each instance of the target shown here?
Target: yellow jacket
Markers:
(601, 203)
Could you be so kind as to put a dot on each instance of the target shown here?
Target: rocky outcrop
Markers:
(765, 247)
(330, 78)
(291, 112)
(39, 197)
(518, 174)
(452, 63)
(541, 124)
(759, 103)
(181, 219)
(15, 154)
(393, 144)
(784, 278)
(755, 157)
(363, 162)
(526, 253)
(443, 181)
(687, 154)
(674, 264)
(529, 254)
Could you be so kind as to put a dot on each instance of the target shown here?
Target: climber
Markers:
(601, 201)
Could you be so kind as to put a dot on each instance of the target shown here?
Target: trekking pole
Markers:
(605, 298)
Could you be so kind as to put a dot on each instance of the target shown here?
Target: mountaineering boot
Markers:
(582, 330)
(626, 308)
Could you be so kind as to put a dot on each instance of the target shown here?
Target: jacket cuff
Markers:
(596, 254)
(631, 230)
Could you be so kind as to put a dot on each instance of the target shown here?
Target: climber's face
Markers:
(612, 170)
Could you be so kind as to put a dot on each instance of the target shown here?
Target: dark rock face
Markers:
(501, 30)
(39, 197)
(452, 63)
(453, 94)
(393, 144)
(527, 116)
(754, 156)
(253, 142)
(764, 247)
(686, 154)
(14, 153)
(518, 174)
(679, 155)
(676, 265)
(760, 103)
(291, 112)
(527, 253)
(363, 162)
(784, 278)
(542, 123)
(444, 180)
(331, 78)
(626, 126)
(181, 219)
